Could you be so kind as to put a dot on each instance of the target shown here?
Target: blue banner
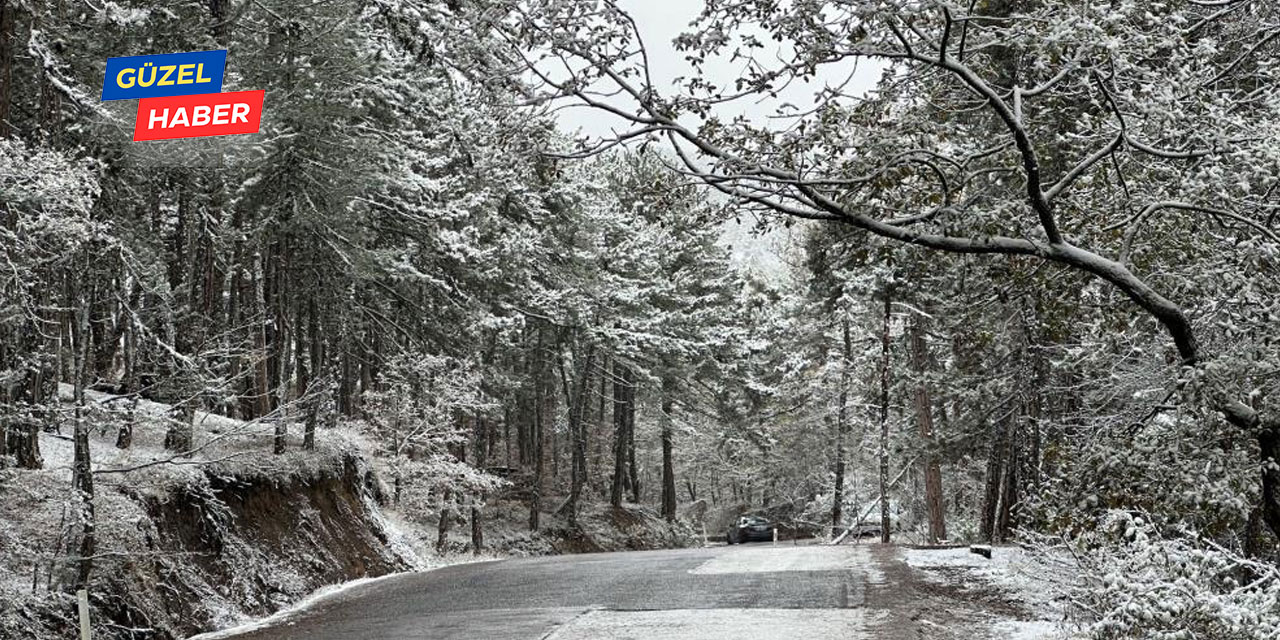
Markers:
(169, 74)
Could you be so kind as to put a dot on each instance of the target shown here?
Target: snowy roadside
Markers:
(216, 439)
(156, 508)
(270, 530)
(284, 616)
(330, 593)
(1036, 581)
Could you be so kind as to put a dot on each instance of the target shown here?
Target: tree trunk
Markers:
(597, 456)
(553, 456)
(181, 433)
(506, 437)
(524, 414)
(305, 329)
(1009, 492)
(218, 14)
(477, 531)
(633, 472)
(346, 379)
(50, 99)
(41, 389)
(1269, 453)
(106, 335)
(668, 436)
(551, 400)
(235, 303)
(536, 434)
(991, 496)
(124, 438)
(82, 468)
(483, 443)
(176, 269)
(1034, 400)
(24, 443)
(924, 416)
(621, 384)
(23, 433)
(11, 338)
(578, 433)
(276, 336)
(261, 378)
(7, 20)
(885, 523)
(442, 527)
(842, 426)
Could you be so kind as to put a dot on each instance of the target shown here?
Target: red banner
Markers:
(198, 116)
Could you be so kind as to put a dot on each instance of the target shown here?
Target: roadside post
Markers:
(82, 597)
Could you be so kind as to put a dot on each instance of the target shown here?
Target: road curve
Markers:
(759, 591)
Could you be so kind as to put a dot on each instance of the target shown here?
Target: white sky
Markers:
(659, 22)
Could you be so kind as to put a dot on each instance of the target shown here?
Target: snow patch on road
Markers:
(715, 624)
(776, 559)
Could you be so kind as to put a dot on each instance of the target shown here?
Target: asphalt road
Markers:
(758, 591)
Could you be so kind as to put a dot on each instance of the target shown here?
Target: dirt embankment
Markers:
(181, 555)
(257, 543)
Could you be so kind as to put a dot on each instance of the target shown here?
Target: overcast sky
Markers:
(660, 21)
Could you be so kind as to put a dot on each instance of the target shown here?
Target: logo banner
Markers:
(198, 116)
(168, 74)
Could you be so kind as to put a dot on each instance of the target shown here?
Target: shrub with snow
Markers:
(1141, 582)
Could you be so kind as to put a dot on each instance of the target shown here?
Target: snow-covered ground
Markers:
(216, 438)
(283, 616)
(1036, 580)
(1029, 630)
(142, 489)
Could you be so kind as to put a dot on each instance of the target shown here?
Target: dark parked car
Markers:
(749, 528)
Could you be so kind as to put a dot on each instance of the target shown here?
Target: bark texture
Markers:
(930, 466)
